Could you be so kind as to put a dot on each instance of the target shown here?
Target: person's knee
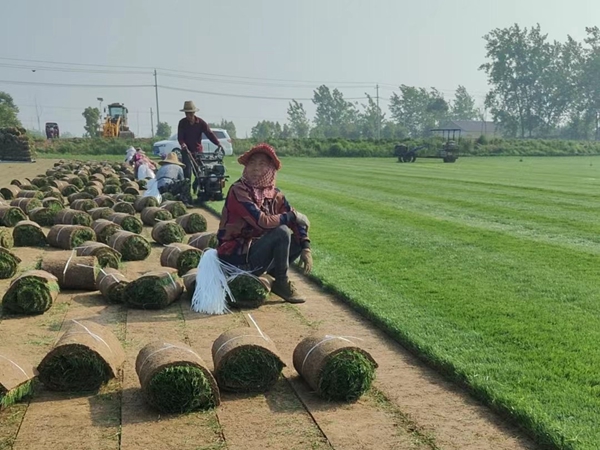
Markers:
(283, 232)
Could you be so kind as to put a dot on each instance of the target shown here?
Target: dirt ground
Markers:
(409, 407)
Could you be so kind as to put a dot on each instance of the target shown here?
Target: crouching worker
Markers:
(259, 230)
(170, 178)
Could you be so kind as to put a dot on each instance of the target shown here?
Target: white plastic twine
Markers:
(327, 338)
(14, 364)
(95, 336)
(167, 346)
(64, 274)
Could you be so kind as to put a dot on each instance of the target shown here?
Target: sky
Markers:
(242, 60)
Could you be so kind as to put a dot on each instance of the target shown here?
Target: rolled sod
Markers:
(79, 196)
(11, 215)
(176, 208)
(9, 263)
(189, 280)
(113, 181)
(132, 246)
(112, 188)
(154, 214)
(182, 257)
(85, 357)
(43, 216)
(31, 293)
(26, 204)
(93, 190)
(154, 290)
(104, 229)
(131, 190)
(144, 202)
(69, 236)
(175, 379)
(100, 213)
(30, 194)
(106, 255)
(105, 201)
(69, 189)
(334, 367)
(75, 181)
(248, 291)
(16, 182)
(10, 192)
(192, 223)
(28, 187)
(167, 233)
(246, 360)
(59, 184)
(124, 207)
(98, 177)
(6, 238)
(203, 240)
(40, 181)
(167, 196)
(111, 283)
(142, 184)
(53, 200)
(83, 205)
(73, 272)
(72, 217)
(126, 183)
(127, 222)
(125, 198)
(16, 378)
(28, 233)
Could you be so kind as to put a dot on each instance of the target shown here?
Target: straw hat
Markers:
(189, 107)
(261, 148)
(171, 158)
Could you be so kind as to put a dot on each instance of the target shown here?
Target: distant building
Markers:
(472, 128)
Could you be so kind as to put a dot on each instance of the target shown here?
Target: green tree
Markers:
(299, 124)
(227, 126)
(265, 130)
(92, 118)
(371, 119)
(8, 111)
(463, 106)
(418, 110)
(335, 117)
(163, 130)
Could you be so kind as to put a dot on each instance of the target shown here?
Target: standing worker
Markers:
(189, 135)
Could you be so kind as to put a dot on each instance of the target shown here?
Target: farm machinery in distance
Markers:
(448, 153)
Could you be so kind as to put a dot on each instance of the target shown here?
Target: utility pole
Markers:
(38, 113)
(156, 91)
(152, 122)
(378, 114)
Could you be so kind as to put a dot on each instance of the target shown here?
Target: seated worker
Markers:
(259, 230)
(170, 178)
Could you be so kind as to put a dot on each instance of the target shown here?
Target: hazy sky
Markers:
(244, 47)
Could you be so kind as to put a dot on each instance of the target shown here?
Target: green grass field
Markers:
(488, 268)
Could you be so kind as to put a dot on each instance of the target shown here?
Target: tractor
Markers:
(449, 151)
(115, 124)
(405, 154)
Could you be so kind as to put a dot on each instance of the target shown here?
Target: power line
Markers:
(73, 70)
(41, 83)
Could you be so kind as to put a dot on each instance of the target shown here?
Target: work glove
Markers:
(302, 220)
(306, 260)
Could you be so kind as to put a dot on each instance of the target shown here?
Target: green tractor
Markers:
(449, 151)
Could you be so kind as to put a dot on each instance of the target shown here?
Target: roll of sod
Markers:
(142, 184)
(93, 190)
(154, 290)
(9, 263)
(6, 238)
(104, 201)
(112, 188)
(112, 181)
(168, 197)
(53, 200)
(246, 360)
(167, 233)
(75, 181)
(30, 194)
(73, 272)
(126, 183)
(11, 215)
(125, 198)
(83, 205)
(111, 283)
(28, 187)
(334, 367)
(153, 214)
(73, 217)
(16, 378)
(131, 190)
(127, 222)
(176, 208)
(106, 255)
(17, 183)
(10, 192)
(26, 204)
(124, 207)
(98, 177)
(79, 196)
(31, 293)
(100, 213)
(192, 223)
(132, 246)
(28, 233)
(69, 236)
(68, 190)
(40, 181)
(43, 216)
(182, 257)
(85, 357)
(175, 379)
(248, 291)
(59, 184)
(144, 202)
(203, 240)
(104, 229)
(189, 280)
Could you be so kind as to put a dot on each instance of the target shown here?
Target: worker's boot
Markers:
(284, 288)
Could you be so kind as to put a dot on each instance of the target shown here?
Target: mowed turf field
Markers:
(488, 268)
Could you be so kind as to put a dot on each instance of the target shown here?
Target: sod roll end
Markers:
(16, 378)
(31, 293)
(154, 290)
(9, 263)
(111, 283)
